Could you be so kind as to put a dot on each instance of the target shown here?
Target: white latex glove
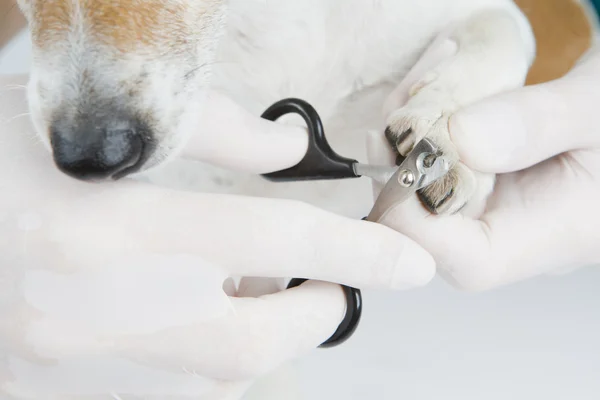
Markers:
(542, 217)
(115, 290)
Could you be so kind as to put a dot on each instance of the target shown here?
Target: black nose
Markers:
(93, 152)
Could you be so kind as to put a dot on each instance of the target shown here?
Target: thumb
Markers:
(232, 138)
(531, 226)
(516, 130)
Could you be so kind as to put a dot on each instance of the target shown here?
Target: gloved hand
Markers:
(542, 216)
(117, 289)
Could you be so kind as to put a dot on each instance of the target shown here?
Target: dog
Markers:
(115, 83)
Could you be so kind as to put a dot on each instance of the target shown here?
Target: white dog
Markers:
(114, 82)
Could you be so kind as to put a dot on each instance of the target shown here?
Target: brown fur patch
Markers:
(563, 33)
(125, 25)
(129, 24)
(52, 19)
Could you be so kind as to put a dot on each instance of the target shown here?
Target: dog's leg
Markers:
(495, 51)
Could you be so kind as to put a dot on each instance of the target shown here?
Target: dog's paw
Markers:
(461, 189)
(453, 192)
(408, 125)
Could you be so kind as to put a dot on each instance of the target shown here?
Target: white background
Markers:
(535, 340)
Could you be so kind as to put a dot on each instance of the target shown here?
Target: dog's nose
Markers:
(96, 153)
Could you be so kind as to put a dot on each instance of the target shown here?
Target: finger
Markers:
(256, 287)
(515, 130)
(257, 336)
(246, 236)
(506, 245)
(232, 138)
(229, 287)
(290, 323)
(522, 234)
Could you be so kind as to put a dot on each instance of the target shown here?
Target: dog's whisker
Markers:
(195, 69)
(35, 139)
(7, 89)
(17, 117)
(15, 87)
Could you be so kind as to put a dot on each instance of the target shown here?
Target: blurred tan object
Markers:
(563, 31)
(11, 21)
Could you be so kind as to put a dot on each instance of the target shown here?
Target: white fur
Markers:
(343, 56)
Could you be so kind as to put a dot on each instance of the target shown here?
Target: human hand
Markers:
(116, 289)
(541, 217)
